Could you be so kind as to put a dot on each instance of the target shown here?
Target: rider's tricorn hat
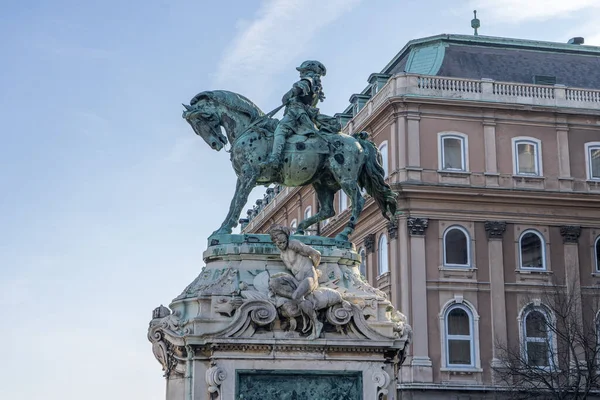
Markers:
(314, 66)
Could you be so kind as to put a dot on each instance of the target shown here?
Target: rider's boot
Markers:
(274, 160)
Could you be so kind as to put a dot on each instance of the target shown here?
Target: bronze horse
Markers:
(328, 162)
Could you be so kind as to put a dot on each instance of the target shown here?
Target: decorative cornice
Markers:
(392, 228)
(570, 233)
(417, 226)
(370, 243)
(495, 229)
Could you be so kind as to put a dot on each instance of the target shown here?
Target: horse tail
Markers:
(372, 175)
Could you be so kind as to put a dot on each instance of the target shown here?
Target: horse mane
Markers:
(232, 100)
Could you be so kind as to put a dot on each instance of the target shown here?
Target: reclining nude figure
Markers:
(301, 260)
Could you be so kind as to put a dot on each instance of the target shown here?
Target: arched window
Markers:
(532, 252)
(597, 253)
(382, 259)
(459, 338)
(343, 201)
(453, 152)
(363, 262)
(308, 212)
(457, 247)
(527, 158)
(383, 149)
(293, 225)
(537, 337)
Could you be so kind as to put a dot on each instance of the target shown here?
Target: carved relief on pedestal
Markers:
(169, 354)
(570, 233)
(382, 380)
(215, 376)
(258, 299)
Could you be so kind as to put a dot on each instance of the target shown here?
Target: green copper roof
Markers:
(490, 41)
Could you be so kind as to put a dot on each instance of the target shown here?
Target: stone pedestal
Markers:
(227, 336)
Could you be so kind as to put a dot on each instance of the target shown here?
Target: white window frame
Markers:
(381, 248)
(342, 201)
(459, 302)
(551, 338)
(538, 155)
(385, 160)
(595, 253)
(294, 224)
(468, 237)
(588, 160)
(464, 139)
(544, 263)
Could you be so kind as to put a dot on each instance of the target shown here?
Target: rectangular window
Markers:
(527, 158)
(594, 160)
(452, 154)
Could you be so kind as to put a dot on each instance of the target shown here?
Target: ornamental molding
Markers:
(570, 234)
(392, 228)
(417, 226)
(370, 243)
(214, 376)
(495, 229)
(382, 380)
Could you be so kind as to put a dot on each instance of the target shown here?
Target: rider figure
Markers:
(300, 114)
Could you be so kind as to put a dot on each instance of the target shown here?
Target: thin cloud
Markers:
(517, 11)
(277, 36)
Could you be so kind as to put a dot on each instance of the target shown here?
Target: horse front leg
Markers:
(245, 183)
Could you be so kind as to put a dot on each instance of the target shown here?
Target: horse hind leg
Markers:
(325, 197)
(352, 190)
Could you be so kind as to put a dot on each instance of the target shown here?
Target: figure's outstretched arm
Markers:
(305, 250)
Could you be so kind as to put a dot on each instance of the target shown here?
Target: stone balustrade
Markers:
(477, 90)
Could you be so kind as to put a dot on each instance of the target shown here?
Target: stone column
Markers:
(392, 228)
(495, 231)
(420, 363)
(392, 154)
(489, 138)
(570, 235)
(369, 245)
(413, 146)
(401, 145)
(564, 164)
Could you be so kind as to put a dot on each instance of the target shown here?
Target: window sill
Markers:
(457, 272)
(462, 371)
(533, 271)
(529, 275)
(453, 172)
(533, 177)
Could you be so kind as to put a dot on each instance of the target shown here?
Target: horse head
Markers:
(204, 117)
(210, 110)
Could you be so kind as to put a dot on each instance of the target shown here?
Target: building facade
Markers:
(493, 147)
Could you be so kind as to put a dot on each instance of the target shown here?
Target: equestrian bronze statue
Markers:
(304, 148)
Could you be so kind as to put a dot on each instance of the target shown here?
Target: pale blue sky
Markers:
(106, 195)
